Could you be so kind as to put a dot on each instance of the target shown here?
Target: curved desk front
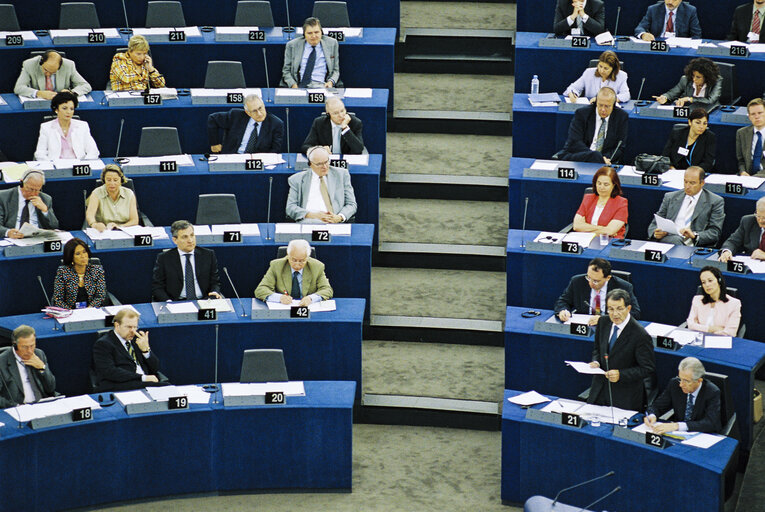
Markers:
(305, 444)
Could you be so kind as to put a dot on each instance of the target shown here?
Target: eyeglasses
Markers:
(325, 163)
(595, 282)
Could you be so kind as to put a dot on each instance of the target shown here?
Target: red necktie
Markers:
(670, 25)
(597, 303)
(48, 84)
(762, 241)
(756, 22)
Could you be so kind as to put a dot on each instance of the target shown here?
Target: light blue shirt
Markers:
(319, 66)
(275, 297)
(247, 132)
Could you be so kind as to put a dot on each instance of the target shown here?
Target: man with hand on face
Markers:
(26, 203)
(579, 18)
(669, 18)
(749, 237)
(251, 130)
(26, 377)
(338, 132)
(187, 272)
(311, 61)
(44, 75)
(297, 276)
(122, 358)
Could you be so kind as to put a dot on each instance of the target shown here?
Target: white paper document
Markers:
(750, 182)
(290, 92)
(703, 440)
(157, 232)
(578, 318)
(132, 397)
(605, 413)
(585, 368)
(181, 160)
(666, 225)
(246, 229)
(113, 310)
(27, 35)
(190, 31)
(83, 32)
(83, 315)
(711, 341)
(545, 165)
(266, 158)
(528, 398)
(358, 92)
(167, 93)
(562, 405)
(683, 336)
(212, 93)
(219, 305)
(657, 329)
(756, 266)
(108, 234)
(581, 100)
(292, 388)
(28, 412)
(357, 159)
(95, 165)
(655, 246)
(181, 307)
(315, 307)
(195, 394)
(202, 230)
(583, 239)
(549, 237)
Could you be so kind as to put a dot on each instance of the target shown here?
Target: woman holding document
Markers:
(714, 311)
(605, 211)
(78, 283)
(608, 73)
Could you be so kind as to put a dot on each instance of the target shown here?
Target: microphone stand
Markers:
(47, 301)
(523, 227)
(225, 271)
(610, 393)
(268, 213)
(615, 489)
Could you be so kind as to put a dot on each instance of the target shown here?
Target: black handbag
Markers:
(651, 164)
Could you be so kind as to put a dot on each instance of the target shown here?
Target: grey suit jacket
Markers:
(744, 138)
(9, 211)
(11, 389)
(746, 238)
(684, 88)
(32, 78)
(293, 54)
(707, 220)
(339, 188)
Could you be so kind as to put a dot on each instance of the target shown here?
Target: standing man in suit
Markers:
(322, 193)
(669, 18)
(26, 377)
(750, 140)
(586, 293)
(308, 64)
(122, 358)
(251, 130)
(625, 351)
(697, 213)
(42, 76)
(695, 402)
(598, 133)
(26, 203)
(187, 272)
(338, 131)
(579, 18)
(297, 276)
(747, 23)
(749, 237)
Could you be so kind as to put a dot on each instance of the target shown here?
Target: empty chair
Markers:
(224, 74)
(253, 13)
(217, 209)
(331, 14)
(729, 94)
(159, 141)
(263, 365)
(78, 15)
(164, 14)
(8, 19)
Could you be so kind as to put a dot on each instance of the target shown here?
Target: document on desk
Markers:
(158, 31)
(756, 266)
(113, 310)
(83, 315)
(750, 182)
(665, 225)
(266, 158)
(156, 232)
(212, 93)
(562, 405)
(195, 394)
(528, 398)
(357, 159)
(12, 171)
(703, 440)
(219, 305)
(246, 229)
(180, 160)
(288, 228)
(654, 246)
(579, 101)
(109, 33)
(27, 412)
(292, 388)
(684, 42)
(30, 230)
(132, 397)
(68, 163)
(545, 165)
(585, 368)
(605, 413)
(657, 329)
(711, 341)
(340, 229)
(315, 307)
(683, 336)
(549, 237)
(290, 92)
(181, 307)
(358, 92)
(27, 35)
(576, 318)
(583, 239)
(109, 234)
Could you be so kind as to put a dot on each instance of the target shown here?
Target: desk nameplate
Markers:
(244, 400)
(166, 317)
(559, 328)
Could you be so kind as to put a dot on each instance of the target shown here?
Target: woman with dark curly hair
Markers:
(65, 137)
(701, 85)
(79, 283)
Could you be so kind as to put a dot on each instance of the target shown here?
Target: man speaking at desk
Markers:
(187, 272)
(624, 350)
(24, 372)
(297, 276)
(252, 130)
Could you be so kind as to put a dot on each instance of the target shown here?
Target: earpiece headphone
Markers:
(30, 172)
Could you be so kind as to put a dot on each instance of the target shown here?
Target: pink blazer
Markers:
(727, 314)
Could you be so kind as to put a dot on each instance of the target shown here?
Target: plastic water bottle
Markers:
(535, 85)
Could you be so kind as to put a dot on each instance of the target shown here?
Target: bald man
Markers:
(44, 75)
(337, 130)
(248, 130)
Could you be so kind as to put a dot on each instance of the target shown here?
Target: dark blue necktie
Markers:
(253, 141)
(689, 408)
(757, 155)
(612, 340)
(296, 286)
(191, 293)
(308, 71)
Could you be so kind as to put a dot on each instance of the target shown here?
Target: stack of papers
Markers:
(756, 266)
(195, 394)
(28, 412)
(223, 92)
(132, 397)
(181, 160)
(190, 31)
(83, 315)
(315, 307)
(528, 398)
(549, 237)
(684, 42)
(292, 388)
(358, 92)
(181, 307)
(583, 239)
(750, 182)
(577, 318)
(219, 305)
(12, 171)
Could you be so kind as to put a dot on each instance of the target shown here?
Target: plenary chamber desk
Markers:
(20, 128)
(534, 360)
(542, 132)
(365, 61)
(664, 290)
(348, 261)
(326, 346)
(553, 202)
(543, 458)
(168, 196)
(304, 444)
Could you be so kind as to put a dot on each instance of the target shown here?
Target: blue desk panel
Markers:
(664, 290)
(305, 444)
(714, 15)
(128, 271)
(534, 360)
(540, 132)
(383, 13)
(325, 347)
(543, 458)
(20, 129)
(553, 203)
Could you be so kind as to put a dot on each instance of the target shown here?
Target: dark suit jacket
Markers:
(706, 408)
(742, 22)
(167, 282)
(686, 21)
(234, 122)
(115, 369)
(578, 292)
(581, 132)
(9, 210)
(703, 151)
(744, 138)
(595, 25)
(746, 238)
(707, 220)
(632, 355)
(11, 389)
(351, 142)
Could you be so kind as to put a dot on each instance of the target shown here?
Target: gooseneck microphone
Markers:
(47, 299)
(610, 393)
(225, 271)
(615, 489)
(616, 25)
(601, 477)
(287, 115)
(119, 139)
(265, 65)
(523, 226)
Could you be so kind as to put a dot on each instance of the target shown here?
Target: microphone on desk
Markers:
(615, 489)
(289, 28)
(523, 226)
(47, 299)
(225, 271)
(287, 116)
(615, 150)
(610, 393)
(265, 65)
(616, 25)
(638, 101)
(590, 309)
(270, 187)
(124, 11)
(601, 477)
(119, 139)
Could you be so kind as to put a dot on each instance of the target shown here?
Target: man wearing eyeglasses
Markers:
(749, 237)
(296, 277)
(322, 194)
(624, 350)
(586, 293)
(695, 402)
(252, 130)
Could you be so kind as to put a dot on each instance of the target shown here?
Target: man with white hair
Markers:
(26, 203)
(749, 237)
(297, 276)
(248, 130)
(695, 402)
(337, 130)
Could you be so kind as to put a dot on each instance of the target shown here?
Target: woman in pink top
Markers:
(714, 311)
(605, 211)
(65, 137)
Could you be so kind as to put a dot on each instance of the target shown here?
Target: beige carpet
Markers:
(478, 93)
(458, 15)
